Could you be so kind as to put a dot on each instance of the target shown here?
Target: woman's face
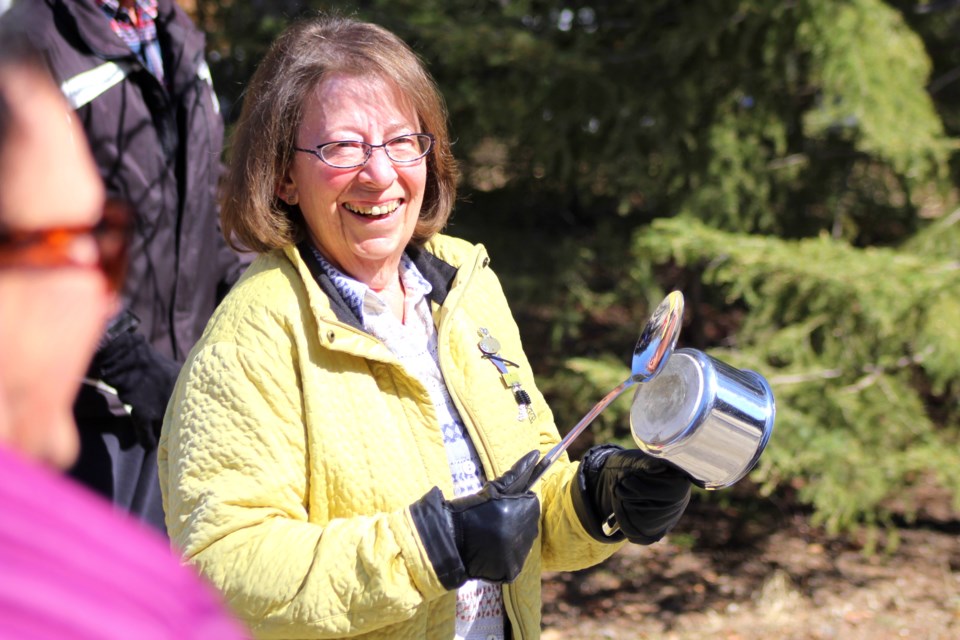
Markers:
(50, 318)
(339, 205)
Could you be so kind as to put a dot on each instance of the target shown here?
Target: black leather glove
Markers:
(646, 495)
(143, 378)
(486, 535)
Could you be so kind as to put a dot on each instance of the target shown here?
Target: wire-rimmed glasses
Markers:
(349, 154)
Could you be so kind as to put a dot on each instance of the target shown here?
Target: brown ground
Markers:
(723, 575)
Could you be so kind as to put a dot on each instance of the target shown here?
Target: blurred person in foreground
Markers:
(70, 565)
(134, 71)
(349, 446)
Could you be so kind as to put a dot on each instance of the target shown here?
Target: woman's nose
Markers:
(379, 169)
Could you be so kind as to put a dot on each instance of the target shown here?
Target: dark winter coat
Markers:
(157, 146)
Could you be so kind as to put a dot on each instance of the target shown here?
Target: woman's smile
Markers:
(377, 211)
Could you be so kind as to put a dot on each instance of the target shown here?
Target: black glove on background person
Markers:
(486, 535)
(143, 378)
(646, 495)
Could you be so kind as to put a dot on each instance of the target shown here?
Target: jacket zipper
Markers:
(480, 262)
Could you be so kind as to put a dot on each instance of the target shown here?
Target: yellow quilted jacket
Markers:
(295, 443)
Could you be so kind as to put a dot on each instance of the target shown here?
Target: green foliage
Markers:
(869, 66)
(753, 115)
(577, 387)
(854, 342)
(828, 126)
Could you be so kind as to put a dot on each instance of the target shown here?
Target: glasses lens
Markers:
(409, 148)
(63, 246)
(344, 154)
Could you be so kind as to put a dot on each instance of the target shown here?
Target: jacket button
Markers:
(331, 336)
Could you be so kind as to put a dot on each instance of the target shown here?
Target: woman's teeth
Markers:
(376, 210)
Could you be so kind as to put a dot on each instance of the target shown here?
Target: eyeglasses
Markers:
(58, 246)
(349, 154)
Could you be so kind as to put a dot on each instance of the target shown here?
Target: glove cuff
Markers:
(584, 486)
(436, 529)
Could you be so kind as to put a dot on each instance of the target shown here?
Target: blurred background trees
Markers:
(790, 165)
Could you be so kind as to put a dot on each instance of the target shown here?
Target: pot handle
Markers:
(610, 526)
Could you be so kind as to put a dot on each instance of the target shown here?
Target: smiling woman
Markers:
(350, 444)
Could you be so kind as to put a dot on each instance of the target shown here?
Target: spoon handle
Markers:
(585, 421)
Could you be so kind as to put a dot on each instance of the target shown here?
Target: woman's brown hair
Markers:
(252, 216)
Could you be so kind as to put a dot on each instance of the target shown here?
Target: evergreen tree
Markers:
(789, 165)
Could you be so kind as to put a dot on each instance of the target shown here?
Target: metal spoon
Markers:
(654, 347)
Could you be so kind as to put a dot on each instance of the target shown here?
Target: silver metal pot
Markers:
(705, 417)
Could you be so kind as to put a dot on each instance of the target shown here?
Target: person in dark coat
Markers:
(63, 573)
(135, 73)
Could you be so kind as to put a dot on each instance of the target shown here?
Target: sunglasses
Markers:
(58, 246)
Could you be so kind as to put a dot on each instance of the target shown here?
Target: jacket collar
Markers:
(88, 21)
(438, 273)
(182, 46)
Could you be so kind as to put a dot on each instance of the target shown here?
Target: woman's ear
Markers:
(287, 190)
